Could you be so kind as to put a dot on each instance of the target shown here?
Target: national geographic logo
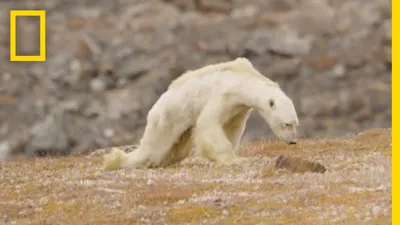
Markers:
(41, 14)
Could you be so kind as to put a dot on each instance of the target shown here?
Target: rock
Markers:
(298, 165)
(97, 85)
(145, 91)
(48, 136)
(258, 42)
(356, 15)
(323, 62)
(93, 45)
(387, 55)
(387, 30)
(108, 132)
(75, 23)
(107, 67)
(385, 8)
(342, 101)
(5, 151)
(363, 115)
(338, 71)
(380, 96)
(353, 58)
(312, 17)
(221, 6)
(6, 99)
(184, 5)
(285, 41)
(246, 11)
(93, 109)
(218, 41)
(14, 143)
(136, 66)
(316, 106)
(357, 102)
(281, 5)
(271, 20)
(85, 146)
(370, 13)
(147, 16)
(82, 71)
(71, 105)
(284, 69)
(82, 50)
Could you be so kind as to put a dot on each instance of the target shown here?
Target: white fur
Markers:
(206, 110)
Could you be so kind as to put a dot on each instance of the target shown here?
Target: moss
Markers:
(337, 185)
(381, 219)
(192, 213)
(50, 208)
(269, 171)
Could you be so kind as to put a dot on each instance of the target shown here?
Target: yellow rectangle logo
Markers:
(13, 48)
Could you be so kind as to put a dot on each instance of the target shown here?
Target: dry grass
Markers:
(355, 189)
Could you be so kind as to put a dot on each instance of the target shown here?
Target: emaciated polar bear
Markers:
(206, 110)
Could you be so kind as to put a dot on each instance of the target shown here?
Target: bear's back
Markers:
(189, 99)
(240, 65)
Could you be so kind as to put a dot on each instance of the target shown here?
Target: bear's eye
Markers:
(271, 103)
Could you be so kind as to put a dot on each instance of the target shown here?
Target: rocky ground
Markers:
(354, 189)
(108, 61)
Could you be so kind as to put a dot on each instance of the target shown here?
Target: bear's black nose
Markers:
(292, 143)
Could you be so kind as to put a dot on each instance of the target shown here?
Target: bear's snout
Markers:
(292, 143)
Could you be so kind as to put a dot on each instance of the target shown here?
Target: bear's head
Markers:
(281, 116)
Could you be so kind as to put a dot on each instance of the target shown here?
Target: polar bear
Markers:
(204, 113)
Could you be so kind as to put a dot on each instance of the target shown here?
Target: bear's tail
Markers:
(114, 159)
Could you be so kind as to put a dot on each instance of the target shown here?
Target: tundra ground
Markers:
(355, 188)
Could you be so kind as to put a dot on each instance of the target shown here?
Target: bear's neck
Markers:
(256, 94)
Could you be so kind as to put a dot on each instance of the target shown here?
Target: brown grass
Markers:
(355, 189)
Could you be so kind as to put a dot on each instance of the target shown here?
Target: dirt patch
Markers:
(354, 189)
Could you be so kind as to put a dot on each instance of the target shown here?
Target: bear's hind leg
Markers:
(157, 142)
(181, 149)
(136, 159)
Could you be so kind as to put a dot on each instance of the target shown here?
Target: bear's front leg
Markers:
(212, 143)
(210, 138)
(235, 127)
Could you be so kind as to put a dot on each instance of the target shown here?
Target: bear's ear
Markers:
(271, 103)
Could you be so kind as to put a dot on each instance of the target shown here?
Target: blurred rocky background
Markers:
(109, 61)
